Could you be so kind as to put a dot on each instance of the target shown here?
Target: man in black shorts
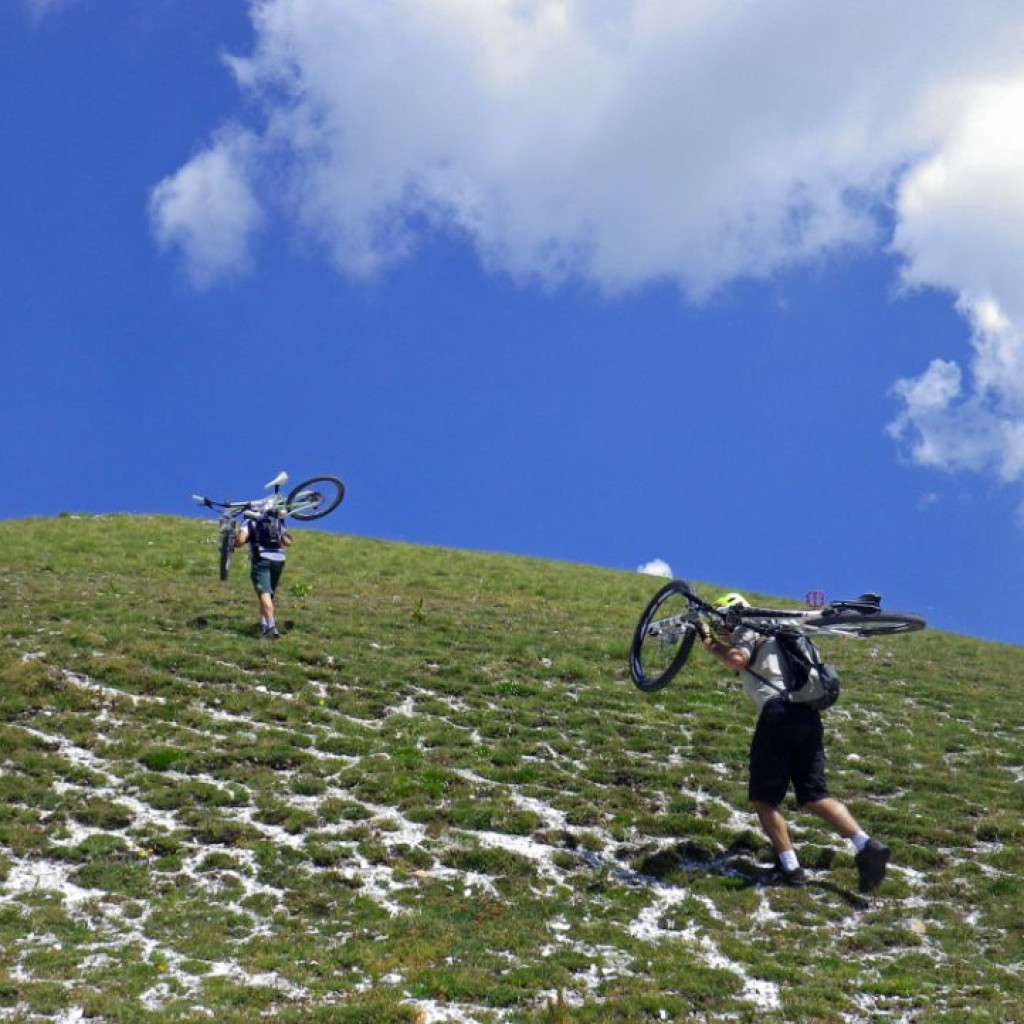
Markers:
(788, 749)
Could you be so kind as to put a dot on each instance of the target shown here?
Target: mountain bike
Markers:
(670, 623)
(312, 499)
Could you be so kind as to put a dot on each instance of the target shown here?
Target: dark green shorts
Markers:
(265, 576)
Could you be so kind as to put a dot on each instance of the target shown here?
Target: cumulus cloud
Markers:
(624, 141)
(618, 141)
(961, 227)
(980, 426)
(208, 209)
(656, 567)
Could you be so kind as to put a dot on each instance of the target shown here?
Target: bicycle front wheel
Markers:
(227, 546)
(663, 638)
(315, 498)
(854, 623)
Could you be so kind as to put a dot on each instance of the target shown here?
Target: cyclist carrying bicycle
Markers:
(787, 749)
(267, 539)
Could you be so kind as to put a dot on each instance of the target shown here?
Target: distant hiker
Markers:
(787, 748)
(267, 539)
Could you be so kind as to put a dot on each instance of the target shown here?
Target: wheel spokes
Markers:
(663, 641)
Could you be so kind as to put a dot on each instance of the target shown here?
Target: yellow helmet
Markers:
(731, 600)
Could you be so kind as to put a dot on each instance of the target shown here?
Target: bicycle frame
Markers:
(276, 502)
(769, 620)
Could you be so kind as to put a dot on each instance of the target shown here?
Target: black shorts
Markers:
(788, 748)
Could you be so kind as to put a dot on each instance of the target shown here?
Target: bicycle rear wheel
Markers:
(856, 623)
(315, 498)
(227, 546)
(663, 638)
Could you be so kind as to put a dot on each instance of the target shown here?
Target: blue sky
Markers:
(735, 287)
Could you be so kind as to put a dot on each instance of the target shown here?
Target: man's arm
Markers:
(733, 658)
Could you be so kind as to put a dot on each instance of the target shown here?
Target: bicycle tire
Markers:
(227, 546)
(326, 502)
(861, 624)
(661, 646)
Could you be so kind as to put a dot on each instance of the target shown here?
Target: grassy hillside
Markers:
(438, 798)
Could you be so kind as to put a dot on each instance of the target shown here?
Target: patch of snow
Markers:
(763, 994)
(28, 876)
(83, 682)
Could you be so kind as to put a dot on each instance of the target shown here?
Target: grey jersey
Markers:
(764, 654)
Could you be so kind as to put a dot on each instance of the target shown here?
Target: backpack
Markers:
(268, 533)
(808, 679)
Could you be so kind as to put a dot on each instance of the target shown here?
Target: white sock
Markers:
(860, 840)
(788, 860)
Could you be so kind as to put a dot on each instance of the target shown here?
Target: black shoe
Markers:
(795, 879)
(871, 862)
(269, 632)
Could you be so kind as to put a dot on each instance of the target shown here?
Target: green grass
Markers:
(438, 798)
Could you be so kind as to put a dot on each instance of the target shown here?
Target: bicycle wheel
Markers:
(856, 623)
(315, 498)
(227, 546)
(663, 638)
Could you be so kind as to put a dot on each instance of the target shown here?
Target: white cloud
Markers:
(618, 141)
(961, 211)
(656, 567)
(625, 141)
(978, 428)
(961, 227)
(208, 209)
